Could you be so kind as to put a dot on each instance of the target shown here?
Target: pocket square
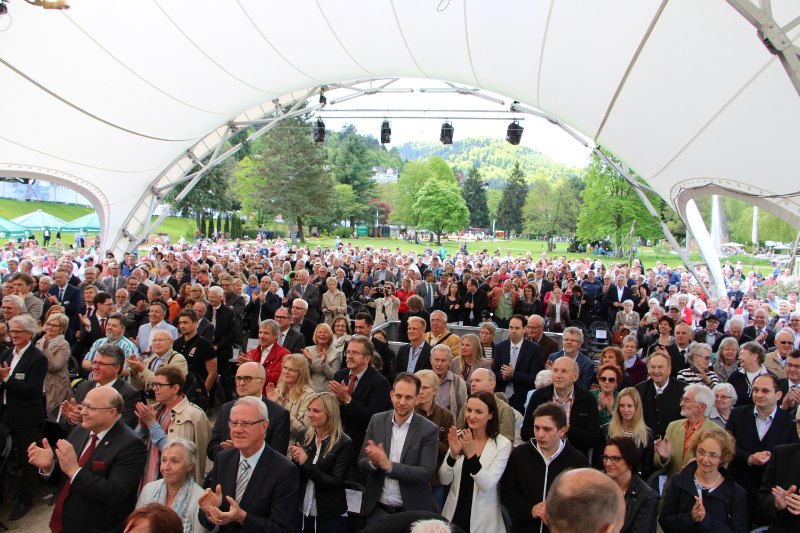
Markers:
(99, 465)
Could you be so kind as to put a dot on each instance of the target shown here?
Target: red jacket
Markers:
(273, 364)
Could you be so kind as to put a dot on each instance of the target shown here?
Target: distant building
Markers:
(384, 175)
(41, 191)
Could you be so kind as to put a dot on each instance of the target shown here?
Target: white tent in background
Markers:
(686, 93)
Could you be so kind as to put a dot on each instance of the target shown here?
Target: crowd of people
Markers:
(244, 387)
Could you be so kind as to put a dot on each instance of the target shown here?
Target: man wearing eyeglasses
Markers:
(251, 487)
(250, 382)
(102, 462)
(790, 387)
(288, 337)
(777, 360)
(143, 371)
(22, 371)
(758, 430)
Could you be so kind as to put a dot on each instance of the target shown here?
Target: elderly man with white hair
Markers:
(439, 334)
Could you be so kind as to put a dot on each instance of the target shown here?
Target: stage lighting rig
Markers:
(386, 132)
(446, 137)
(319, 131)
(514, 133)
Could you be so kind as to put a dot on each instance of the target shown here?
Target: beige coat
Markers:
(190, 422)
(334, 305)
(144, 379)
(56, 382)
(298, 413)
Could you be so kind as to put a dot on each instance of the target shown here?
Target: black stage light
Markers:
(514, 133)
(447, 133)
(386, 132)
(319, 131)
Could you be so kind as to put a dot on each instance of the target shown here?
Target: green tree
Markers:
(610, 207)
(475, 196)
(352, 166)
(287, 175)
(509, 214)
(551, 209)
(441, 208)
(409, 184)
(344, 204)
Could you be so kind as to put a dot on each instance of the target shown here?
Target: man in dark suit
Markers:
(249, 382)
(300, 321)
(416, 355)
(262, 306)
(782, 473)
(536, 334)
(399, 456)
(288, 337)
(428, 290)
(757, 432)
(251, 487)
(362, 391)
(679, 349)
(102, 462)
(475, 303)
(225, 335)
(362, 325)
(305, 291)
(64, 294)
(22, 371)
(759, 331)
(93, 327)
(204, 328)
(615, 296)
(515, 364)
(107, 366)
(584, 421)
(661, 395)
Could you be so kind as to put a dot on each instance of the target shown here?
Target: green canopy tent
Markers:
(11, 230)
(87, 223)
(39, 221)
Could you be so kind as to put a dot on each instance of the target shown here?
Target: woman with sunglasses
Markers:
(606, 395)
(621, 462)
(699, 371)
(703, 496)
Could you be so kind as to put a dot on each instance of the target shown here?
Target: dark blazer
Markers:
(294, 342)
(130, 395)
(547, 346)
(371, 396)
(726, 506)
(660, 410)
(104, 492)
(678, 361)
(422, 291)
(270, 498)
(769, 340)
(584, 420)
(529, 363)
(24, 389)
(277, 436)
(71, 301)
(256, 311)
(225, 334)
(641, 507)
(206, 329)
(401, 361)
(328, 474)
(307, 328)
(742, 386)
(742, 425)
(783, 470)
(311, 295)
(481, 302)
(415, 469)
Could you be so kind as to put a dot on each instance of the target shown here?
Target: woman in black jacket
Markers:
(323, 459)
(703, 496)
(621, 461)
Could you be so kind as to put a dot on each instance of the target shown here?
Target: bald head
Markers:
(602, 507)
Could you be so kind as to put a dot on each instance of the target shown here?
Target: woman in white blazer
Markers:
(474, 464)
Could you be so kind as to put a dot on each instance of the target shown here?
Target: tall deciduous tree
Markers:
(475, 196)
(414, 176)
(509, 214)
(287, 175)
(441, 208)
(352, 166)
(610, 206)
(551, 208)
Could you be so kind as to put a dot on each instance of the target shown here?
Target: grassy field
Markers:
(177, 227)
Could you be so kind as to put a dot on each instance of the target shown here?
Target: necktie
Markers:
(352, 385)
(430, 295)
(514, 355)
(242, 479)
(55, 521)
(281, 338)
(61, 295)
(103, 326)
(214, 316)
(683, 354)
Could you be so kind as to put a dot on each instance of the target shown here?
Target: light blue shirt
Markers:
(763, 424)
(413, 356)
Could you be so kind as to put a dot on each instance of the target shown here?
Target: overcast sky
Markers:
(539, 134)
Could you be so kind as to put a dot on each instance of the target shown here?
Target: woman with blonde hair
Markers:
(56, 348)
(323, 361)
(293, 392)
(470, 358)
(323, 459)
(627, 420)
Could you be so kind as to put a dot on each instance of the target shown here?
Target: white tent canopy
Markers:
(116, 98)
